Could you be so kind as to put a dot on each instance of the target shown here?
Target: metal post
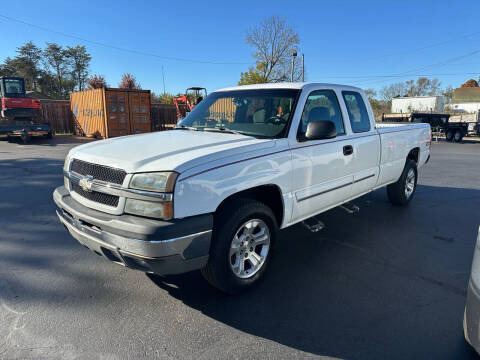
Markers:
(163, 76)
(294, 55)
(303, 67)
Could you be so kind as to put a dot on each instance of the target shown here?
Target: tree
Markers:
(378, 106)
(371, 94)
(421, 87)
(164, 98)
(273, 41)
(448, 93)
(129, 82)
(8, 68)
(253, 76)
(470, 83)
(28, 58)
(80, 61)
(56, 58)
(97, 82)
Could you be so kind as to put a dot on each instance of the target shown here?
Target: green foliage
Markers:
(53, 71)
(57, 62)
(79, 63)
(253, 75)
(164, 98)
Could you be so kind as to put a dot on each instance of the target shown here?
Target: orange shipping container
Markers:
(109, 112)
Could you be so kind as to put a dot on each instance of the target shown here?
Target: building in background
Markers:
(465, 100)
(435, 104)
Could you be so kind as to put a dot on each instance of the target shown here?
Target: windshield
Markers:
(261, 113)
(13, 87)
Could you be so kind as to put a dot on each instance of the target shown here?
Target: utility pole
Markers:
(294, 55)
(163, 76)
(303, 67)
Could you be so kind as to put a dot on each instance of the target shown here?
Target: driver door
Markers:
(322, 169)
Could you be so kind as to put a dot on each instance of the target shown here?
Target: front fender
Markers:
(203, 191)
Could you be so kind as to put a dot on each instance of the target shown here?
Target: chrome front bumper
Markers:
(148, 245)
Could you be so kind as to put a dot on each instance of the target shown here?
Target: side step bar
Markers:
(314, 225)
(350, 208)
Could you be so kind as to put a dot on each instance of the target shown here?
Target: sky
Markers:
(368, 44)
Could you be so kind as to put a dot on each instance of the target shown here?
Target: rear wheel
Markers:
(401, 192)
(25, 138)
(458, 136)
(449, 135)
(241, 250)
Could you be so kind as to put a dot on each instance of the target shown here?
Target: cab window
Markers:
(321, 105)
(357, 111)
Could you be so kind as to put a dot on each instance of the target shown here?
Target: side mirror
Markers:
(320, 129)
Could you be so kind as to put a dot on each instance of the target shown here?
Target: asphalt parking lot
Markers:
(386, 283)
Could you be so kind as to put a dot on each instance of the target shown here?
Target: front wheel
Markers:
(401, 192)
(241, 249)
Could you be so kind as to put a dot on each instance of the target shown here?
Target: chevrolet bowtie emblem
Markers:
(86, 183)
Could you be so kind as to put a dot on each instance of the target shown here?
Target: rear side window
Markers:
(357, 111)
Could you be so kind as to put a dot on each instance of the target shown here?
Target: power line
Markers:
(138, 52)
(422, 47)
(411, 72)
(368, 77)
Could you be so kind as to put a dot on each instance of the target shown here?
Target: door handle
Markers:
(347, 150)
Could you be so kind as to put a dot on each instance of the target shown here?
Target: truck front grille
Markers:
(99, 172)
(105, 199)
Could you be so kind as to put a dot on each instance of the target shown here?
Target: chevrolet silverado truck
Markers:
(213, 193)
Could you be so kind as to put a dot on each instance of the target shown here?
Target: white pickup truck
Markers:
(247, 161)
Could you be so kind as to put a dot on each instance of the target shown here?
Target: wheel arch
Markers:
(269, 194)
(414, 154)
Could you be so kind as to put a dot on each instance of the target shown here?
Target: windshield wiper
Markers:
(184, 127)
(225, 130)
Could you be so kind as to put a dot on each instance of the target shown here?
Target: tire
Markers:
(449, 135)
(9, 139)
(402, 192)
(25, 138)
(233, 244)
(457, 137)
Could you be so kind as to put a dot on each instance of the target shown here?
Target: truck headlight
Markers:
(162, 210)
(154, 181)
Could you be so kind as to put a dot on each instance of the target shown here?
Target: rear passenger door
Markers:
(365, 143)
(322, 169)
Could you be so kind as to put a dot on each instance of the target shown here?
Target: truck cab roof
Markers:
(290, 85)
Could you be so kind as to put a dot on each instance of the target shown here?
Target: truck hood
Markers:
(177, 150)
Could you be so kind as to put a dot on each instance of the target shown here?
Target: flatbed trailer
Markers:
(455, 128)
(25, 131)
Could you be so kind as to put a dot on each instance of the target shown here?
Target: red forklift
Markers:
(20, 116)
(186, 103)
